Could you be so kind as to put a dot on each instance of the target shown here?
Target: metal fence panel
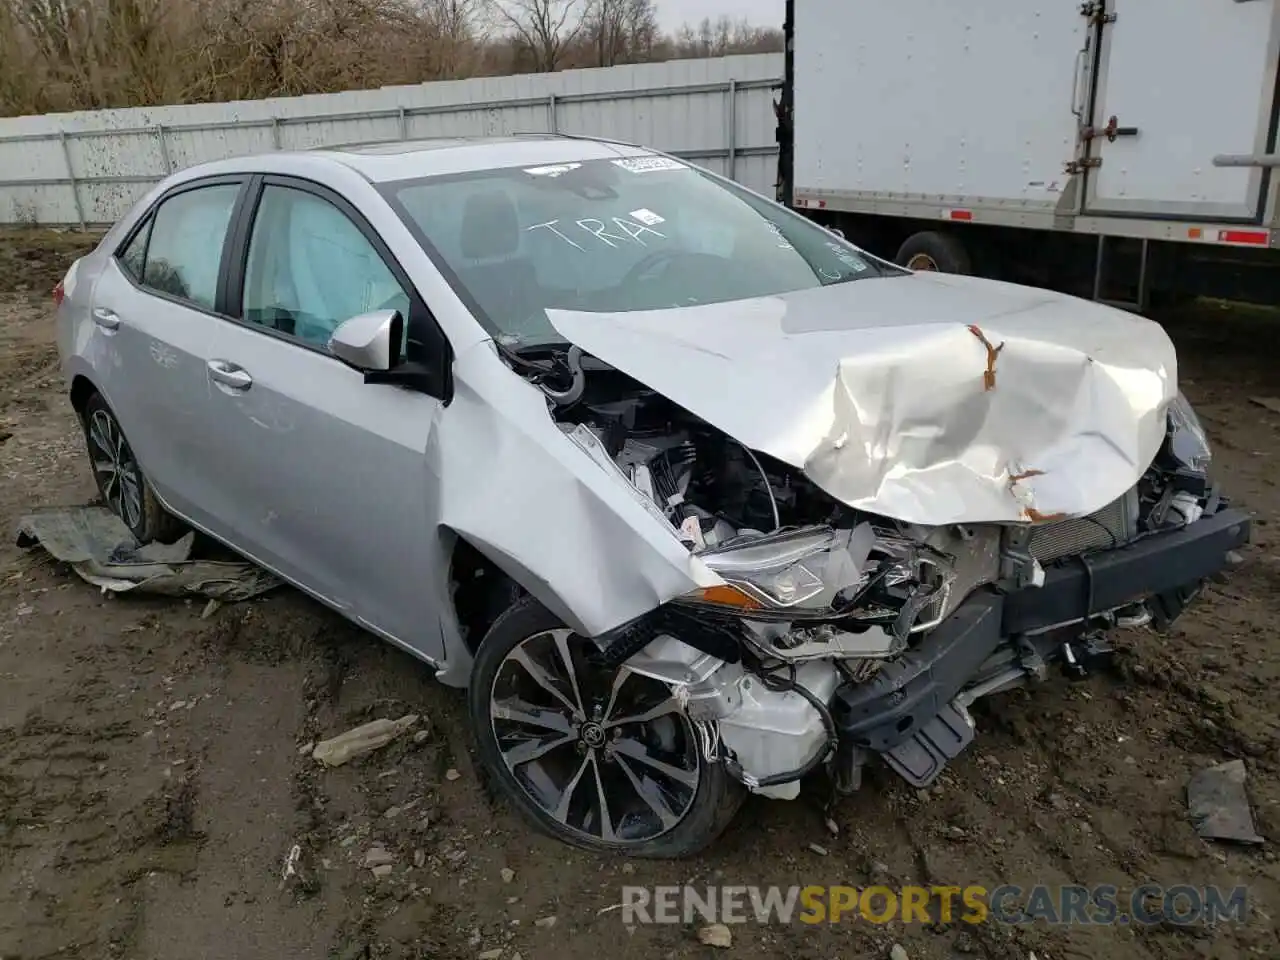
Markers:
(89, 167)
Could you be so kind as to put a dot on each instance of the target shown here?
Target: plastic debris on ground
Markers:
(361, 740)
(1219, 805)
(102, 551)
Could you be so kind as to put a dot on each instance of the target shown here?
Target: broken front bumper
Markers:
(913, 712)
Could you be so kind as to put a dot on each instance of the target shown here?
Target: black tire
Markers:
(133, 501)
(935, 252)
(702, 818)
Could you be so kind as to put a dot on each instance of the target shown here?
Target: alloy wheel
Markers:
(114, 468)
(606, 752)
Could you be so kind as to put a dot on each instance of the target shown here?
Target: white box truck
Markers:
(1124, 149)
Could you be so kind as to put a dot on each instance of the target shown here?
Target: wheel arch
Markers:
(82, 388)
(478, 587)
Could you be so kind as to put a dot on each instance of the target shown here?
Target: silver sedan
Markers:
(693, 496)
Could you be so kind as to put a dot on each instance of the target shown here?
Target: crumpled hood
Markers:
(928, 398)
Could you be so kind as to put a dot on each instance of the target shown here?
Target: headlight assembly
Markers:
(800, 573)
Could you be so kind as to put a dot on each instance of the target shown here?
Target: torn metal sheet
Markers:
(100, 548)
(1219, 806)
(929, 398)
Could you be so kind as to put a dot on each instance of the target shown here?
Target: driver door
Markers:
(321, 476)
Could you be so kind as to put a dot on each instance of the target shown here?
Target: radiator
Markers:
(1113, 525)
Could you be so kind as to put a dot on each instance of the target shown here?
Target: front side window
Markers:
(639, 233)
(310, 268)
(181, 247)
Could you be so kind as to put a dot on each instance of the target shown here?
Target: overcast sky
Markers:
(764, 13)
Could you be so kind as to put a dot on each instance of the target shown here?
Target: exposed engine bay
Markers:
(830, 609)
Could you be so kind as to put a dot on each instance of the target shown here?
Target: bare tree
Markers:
(87, 54)
(547, 29)
(641, 23)
(620, 31)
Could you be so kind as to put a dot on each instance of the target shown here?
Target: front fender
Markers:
(546, 514)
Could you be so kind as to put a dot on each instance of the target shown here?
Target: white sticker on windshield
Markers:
(553, 170)
(648, 164)
(847, 257)
(647, 217)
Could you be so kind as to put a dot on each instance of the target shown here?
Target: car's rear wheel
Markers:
(599, 757)
(124, 487)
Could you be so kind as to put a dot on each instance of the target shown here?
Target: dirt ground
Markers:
(152, 785)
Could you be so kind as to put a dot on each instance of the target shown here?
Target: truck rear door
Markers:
(1185, 81)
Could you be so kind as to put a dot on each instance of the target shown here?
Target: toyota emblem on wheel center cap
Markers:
(592, 734)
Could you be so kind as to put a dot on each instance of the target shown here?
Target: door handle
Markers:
(106, 319)
(229, 375)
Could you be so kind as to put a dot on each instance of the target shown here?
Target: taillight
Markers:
(59, 294)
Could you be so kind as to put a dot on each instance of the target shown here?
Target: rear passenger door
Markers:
(153, 309)
(318, 474)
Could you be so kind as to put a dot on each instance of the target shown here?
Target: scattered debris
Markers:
(451, 774)
(545, 922)
(1267, 403)
(493, 954)
(716, 935)
(102, 551)
(290, 865)
(818, 849)
(1219, 805)
(361, 740)
(381, 870)
(508, 874)
(378, 856)
(419, 858)
(306, 748)
(832, 827)
(898, 952)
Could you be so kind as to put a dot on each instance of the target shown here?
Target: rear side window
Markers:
(179, 251)
(134, 257)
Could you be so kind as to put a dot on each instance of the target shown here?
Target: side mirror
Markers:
(369, 341)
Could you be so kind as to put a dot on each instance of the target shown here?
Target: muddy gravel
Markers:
(157, 799)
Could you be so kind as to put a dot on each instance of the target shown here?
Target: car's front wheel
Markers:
(600, 757)
(124, 487)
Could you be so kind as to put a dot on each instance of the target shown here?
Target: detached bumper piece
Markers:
(913, 712)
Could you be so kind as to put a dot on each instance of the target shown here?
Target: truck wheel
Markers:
(934, 252)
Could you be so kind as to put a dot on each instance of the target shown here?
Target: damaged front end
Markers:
(838, 635)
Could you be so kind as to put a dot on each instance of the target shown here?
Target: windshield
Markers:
(638, 233)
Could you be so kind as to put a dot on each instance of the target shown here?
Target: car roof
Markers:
(410, 159)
